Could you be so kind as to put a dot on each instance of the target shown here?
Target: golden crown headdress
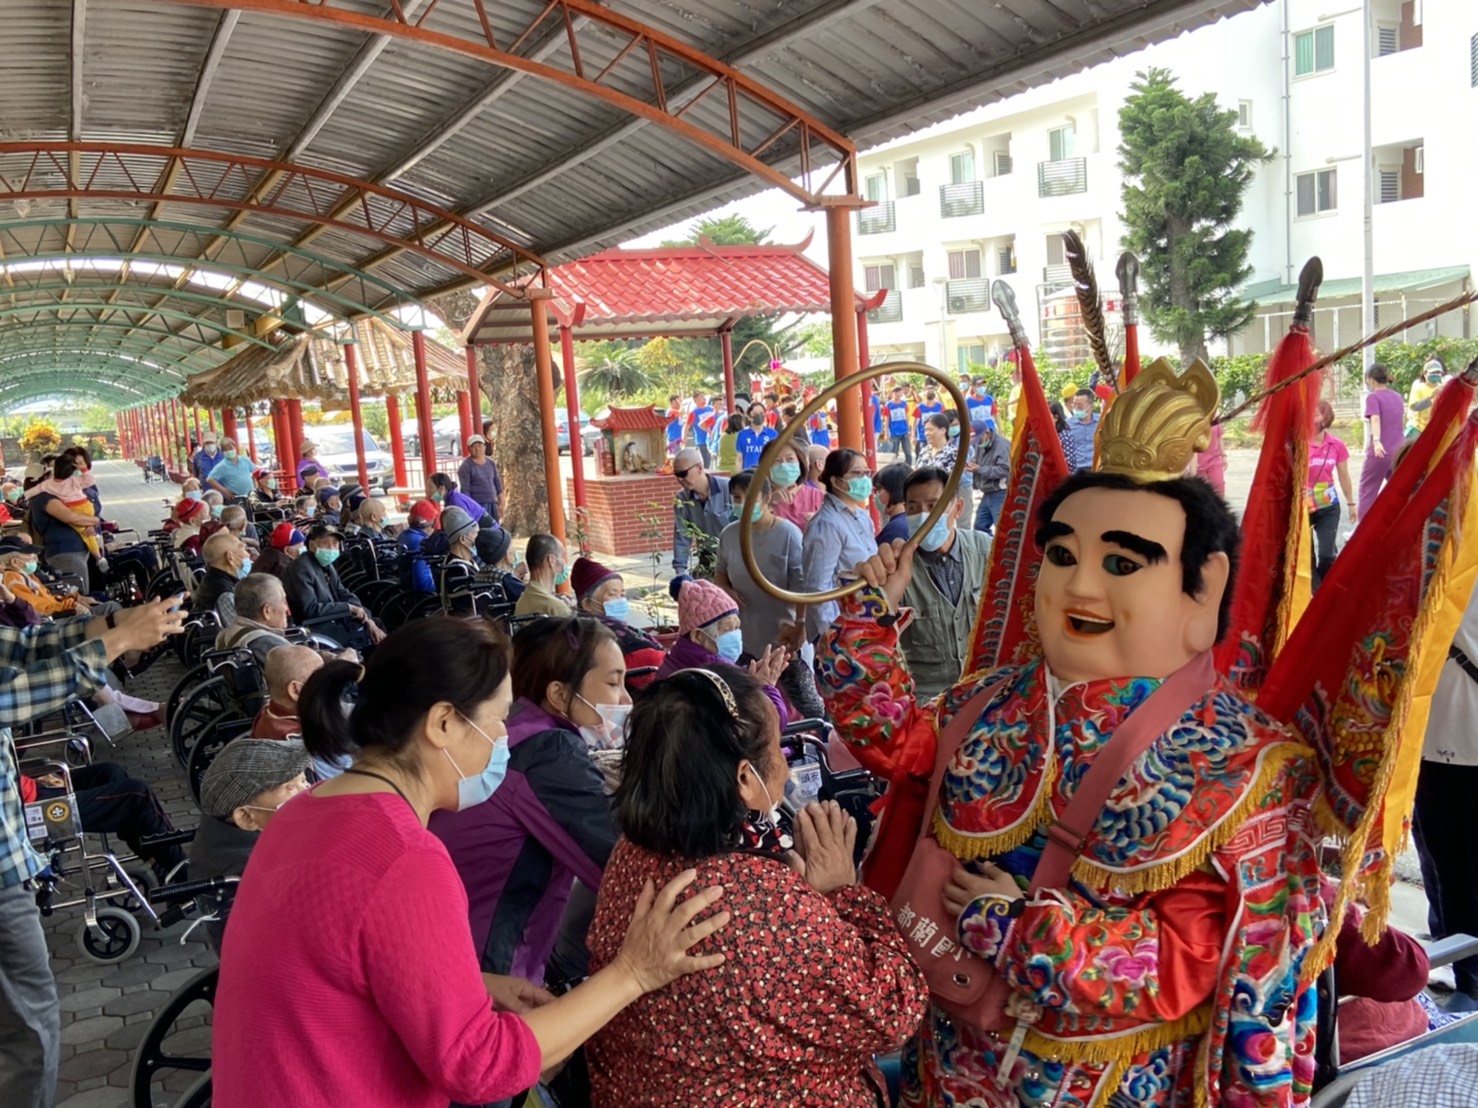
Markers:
(1153, 427)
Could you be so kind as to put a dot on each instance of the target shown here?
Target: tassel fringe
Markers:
(1116, 1050)
(968, 848)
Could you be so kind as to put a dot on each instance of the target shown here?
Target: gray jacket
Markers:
(710, 516)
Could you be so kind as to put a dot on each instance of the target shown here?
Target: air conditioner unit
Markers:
(236, 320)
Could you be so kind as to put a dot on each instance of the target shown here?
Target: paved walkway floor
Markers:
(106, 1009)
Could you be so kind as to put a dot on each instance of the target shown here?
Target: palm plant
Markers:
(615, 373)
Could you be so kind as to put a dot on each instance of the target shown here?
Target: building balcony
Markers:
(876, 220)
(968, 294)
(964, 198)
(1062, 178)
(890, 310)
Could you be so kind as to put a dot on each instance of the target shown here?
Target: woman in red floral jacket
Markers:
(817, 980)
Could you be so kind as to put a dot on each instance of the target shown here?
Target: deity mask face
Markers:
(1110, 598)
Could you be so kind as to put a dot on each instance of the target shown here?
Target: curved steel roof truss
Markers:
(63, 304)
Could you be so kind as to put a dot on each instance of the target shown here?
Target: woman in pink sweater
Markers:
(348, 974)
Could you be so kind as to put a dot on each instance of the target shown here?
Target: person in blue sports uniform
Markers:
(977, 399)
(899, 441)
(930, 405)
(701, 420)
(674, 425)
(753, 439)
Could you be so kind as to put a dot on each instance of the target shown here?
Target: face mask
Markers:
(877, 501)
(756, 419)
(438, 497)
(562, 576)
(1082, 417)
(859, 488)
(229, 455)
(937, 534)
(210, 448)
(271, 486)
(29, 568)
(619, 608)
(216, 510)
(326, 557)
(1433, 378)
(472, 791)
(12, 495)
(954, 430)
(786, 474)
(245, 569)
(294, 551)
(763, 830)
(195, 494)
(611, 734)
(729, 645)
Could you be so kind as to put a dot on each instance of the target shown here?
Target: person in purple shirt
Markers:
(1385, 418)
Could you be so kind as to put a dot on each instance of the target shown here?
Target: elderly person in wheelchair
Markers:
(315, 591)
(263, 620)
(18, 569)
(226, 563)
(287, 671)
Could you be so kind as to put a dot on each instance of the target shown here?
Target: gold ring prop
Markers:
(772, 453)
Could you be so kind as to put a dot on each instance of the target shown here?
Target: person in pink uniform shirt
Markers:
(348, 972)
(791, 499)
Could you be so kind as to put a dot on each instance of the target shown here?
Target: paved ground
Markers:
(106, 1009)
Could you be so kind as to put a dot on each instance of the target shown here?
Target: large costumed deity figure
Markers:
(1164, 966)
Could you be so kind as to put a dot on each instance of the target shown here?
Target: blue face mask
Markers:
(859, 488)
(216, 510)
(229, 455)
(562, 576)
(786, 474)
(245, 569)
(954, 430)
(472, 791)
(194, 494)
(938, 534)
(619, 608)
(729, 645)
(326, 557)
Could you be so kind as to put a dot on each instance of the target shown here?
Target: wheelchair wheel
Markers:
(115, 937)
(161, 585)
(182, 688)
(199, 711)
(151, 1057)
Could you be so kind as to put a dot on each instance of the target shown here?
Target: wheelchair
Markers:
(806, 745)
(113, 890)
(213, 703)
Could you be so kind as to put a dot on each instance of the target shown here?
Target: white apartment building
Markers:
(987, 195)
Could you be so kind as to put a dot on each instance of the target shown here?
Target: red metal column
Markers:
(196, 413)
(228, 424)
(351, 370)
(423, 404)
(474, 391)
(572, 411)
(177, 432)
(726, 341)
(864, 359)
(295, 431)
(274, 413)
(397, 440)
(843, 308)
(251, 438)
(211, 415)
(464, 417)
(544, 367)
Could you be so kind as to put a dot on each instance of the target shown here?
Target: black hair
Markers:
(734, 424)
(679, 790)
(1059, 416)
(424, 663)
(81, 452)
(938, 419)
(561, 648)
(893, 480)
(925, 475)
(442, 481)
(63, 466)
(1084, 392)
(740, 482)
(838, 462)
(1210, 527)
(540, 549)
(1379, 374)
(753, 404)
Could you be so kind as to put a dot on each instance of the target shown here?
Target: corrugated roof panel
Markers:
(140, 64)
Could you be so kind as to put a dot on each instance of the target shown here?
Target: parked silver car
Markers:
(336, 454)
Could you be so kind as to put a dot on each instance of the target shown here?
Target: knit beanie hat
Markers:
(188, 510)
(498, 543)
(587, 575)
(455, 523)
(701, 603)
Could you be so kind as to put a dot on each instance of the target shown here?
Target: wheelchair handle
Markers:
(189, 890)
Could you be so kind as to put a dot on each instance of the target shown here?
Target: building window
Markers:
(963, 264)
(1001, 160)
(1056, 250)
(877, 187)
(1317, 192)
(1006, 259)
(1061, 142)
(916, 276)
(1389, 184)
(1473, 61)
(1313, 51)
(970, 354)
(1387, 39)
(962, 167)
(1244, 115)
(881, 276)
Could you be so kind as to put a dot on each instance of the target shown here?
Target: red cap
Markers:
(424, 511)
(285, 535)
(188, 509)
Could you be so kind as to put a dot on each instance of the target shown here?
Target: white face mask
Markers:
(773, 812)
(611, 734)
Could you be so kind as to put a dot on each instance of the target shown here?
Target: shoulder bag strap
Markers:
(1151, 719)
(950, 739)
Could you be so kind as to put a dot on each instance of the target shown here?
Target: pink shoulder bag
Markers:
(968, 987)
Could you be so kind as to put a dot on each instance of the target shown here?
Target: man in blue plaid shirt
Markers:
(42, 668)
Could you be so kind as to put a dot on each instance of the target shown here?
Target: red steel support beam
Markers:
(464, 417)
(351, 370)
(423, 405)
(228, 424)
(572, 411)
(195, 412)
(474, 393)
(295, 436)
(843, 325)
(544, 367)
(397, 440)
(251, 438)
(726, 341)
(211, 415)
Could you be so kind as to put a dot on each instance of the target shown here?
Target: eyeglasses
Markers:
(682, 473)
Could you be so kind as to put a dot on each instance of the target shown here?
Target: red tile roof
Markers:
(632, 419)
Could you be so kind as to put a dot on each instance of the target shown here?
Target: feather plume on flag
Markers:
(1090, 303)
(1005, 631)
(1275, 526)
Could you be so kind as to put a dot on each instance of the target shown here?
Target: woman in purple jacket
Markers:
(550, 821)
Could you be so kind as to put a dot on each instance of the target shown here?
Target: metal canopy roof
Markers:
(312, 161)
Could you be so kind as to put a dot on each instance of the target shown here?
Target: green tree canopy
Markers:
(1186, 169)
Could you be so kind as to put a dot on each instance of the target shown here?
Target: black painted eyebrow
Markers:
(1053, 529)
(1147, 549)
